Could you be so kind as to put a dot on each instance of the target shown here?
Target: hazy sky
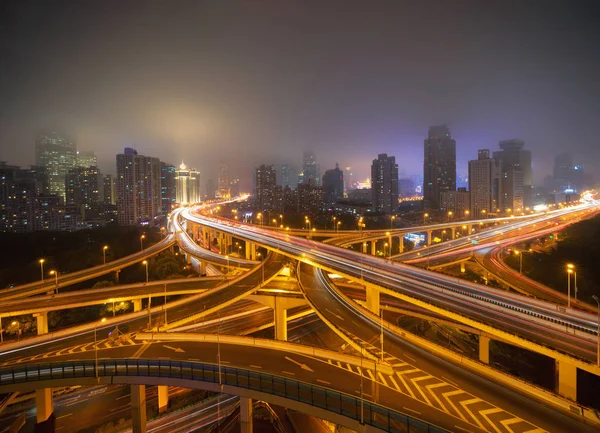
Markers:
(259, 81)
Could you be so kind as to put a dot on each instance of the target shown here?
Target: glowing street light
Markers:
(142, 242)
(104, 248)
(259, 216)
(392, 222)
(41, 261)
(520, 254)
(263, 269)
(425, 216)
(55, 273)
(449, 215)
(96, 343)
(570, 270)
(145, 262)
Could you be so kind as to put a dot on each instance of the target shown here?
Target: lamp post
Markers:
(142, 242)
(337, 226)
(569, 272)
(145, 262)
(483, 211)
(275, 222)
(597, 331)
(449, 215)
(334, 220)
(113, 306)
(281, 220)
(96, 344)
(467, 214)
(259, 216)
(520, 254)
(425, 215)
(262, 268)
(55, 273)
(381, 334)
(364, 250)
(385, 245)
(18, 325)
(42, 267)
(392, 222)
(104, 248)
(362, 398)
(227, 269)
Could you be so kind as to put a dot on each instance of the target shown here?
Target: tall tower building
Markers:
(187, 185)
(110, 190)
(57, 153)
(138, 186)
(384, 184)
(563, 171)
(485, 184)
(333, 185)
(518, 185)
(84, 187)
(265, 188)
(86, 158)
(347, 178)
(289, 176)
(310, 169)
(167, 187)
(439, 165)
(223, 182)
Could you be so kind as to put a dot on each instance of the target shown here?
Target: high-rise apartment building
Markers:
(168, 196)
(348, 178)
(223, 182)
(310, 198)
(333, 185)
(138, 185)
(86, 158)
(563, 171)
(485, 184)
(211, 189)
(187, 181)
(110, 190)
(234, 187)
(265, 188)
(310, 169)
(518, 185)
(289, 176)
(439, 165)
(57, 153)
(455, 203)
(84, 186)
(384, 184)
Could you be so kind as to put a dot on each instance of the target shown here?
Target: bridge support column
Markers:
(188, 259)
(401, 243)
(117, 276)
(43, 404)
(484, 349)
(373, 248)
(453, 230)
(567, 380)
(202, 267)
(373, 300)
(138, 408)
(245, 415)
(470, 228)
(429, 237)
(280, 320)
(137, 305)
(41, 322)
(163, 398)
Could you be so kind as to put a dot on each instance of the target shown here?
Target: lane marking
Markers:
(255, 366)
(463, 429)
(485, 413)
(324, 381)
(410, 391)
(450, 382)
(411, 410)
(472, 401)
(412, 359)
(395, 384)
(288, 372)
(123, 396)
(64, 416)
(382, 379)
(446, 395)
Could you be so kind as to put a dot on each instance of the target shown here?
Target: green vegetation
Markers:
(579, 245)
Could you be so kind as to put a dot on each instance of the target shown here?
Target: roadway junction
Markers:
(383, 378)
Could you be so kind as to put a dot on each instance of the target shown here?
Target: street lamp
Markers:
(483, 211)
(281, 220)
(142, 242)
(259, 216)
(570, 270)
(449, 215)
(55, 273)
(467, 214)
(145, 262)
(96, 343)
(42, 268)
(337, 226)
(392, 222)
(275, 222)
(104, 248)
(262, 268)
(597, 331)
(18, 325)
(227, 270)
(385, 245)
(520, 254)
(425, 216)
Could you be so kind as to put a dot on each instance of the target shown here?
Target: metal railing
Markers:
(347, 405)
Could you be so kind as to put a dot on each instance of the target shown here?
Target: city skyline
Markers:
(377, 93)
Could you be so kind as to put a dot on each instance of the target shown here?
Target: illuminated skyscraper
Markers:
(517, 186)
(138, 186)
(58, 154)
(187, 185)
(167, 187)
(84, 187)
(333, 185)
(86, 158)
(310, 169)
(384, 184)
(265, 188)
(485, 184)
(439, 166)
(223, 182)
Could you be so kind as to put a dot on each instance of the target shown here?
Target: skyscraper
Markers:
(265, 188)
(86, 158)
(84, 186)
(384, 184)
(187, 185)
(485, 184)
(439, 165)
(58, 154)
(138, 185)
(168, 195)
(289, 176)
(333, 185)
(223, 182)
(518, 185)
(110, 190)
(310, 169)
(563, 171)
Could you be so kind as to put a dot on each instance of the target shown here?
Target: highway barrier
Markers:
(349, 406)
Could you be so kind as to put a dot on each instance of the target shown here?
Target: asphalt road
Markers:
(428, 378)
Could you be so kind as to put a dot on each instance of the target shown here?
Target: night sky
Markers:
(250, 82)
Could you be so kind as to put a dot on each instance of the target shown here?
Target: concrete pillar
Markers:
(373, 300)
(373, 248)
(280, 320)
(188, 259)
(567, 380)
(137, 305)
(43, 404)
(245, 415)
(470, 228)
(163, 398)
(253, 252)
(484, 349)
(429, 237)
(42, 322)
(462, 267)
(453, 229)
(222, 243)
(117, 276)
(247, 250)
(202, 267)
(138, 408)
(401, 242)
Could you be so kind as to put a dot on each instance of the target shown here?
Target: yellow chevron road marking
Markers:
(485, 413)
(472, 401)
